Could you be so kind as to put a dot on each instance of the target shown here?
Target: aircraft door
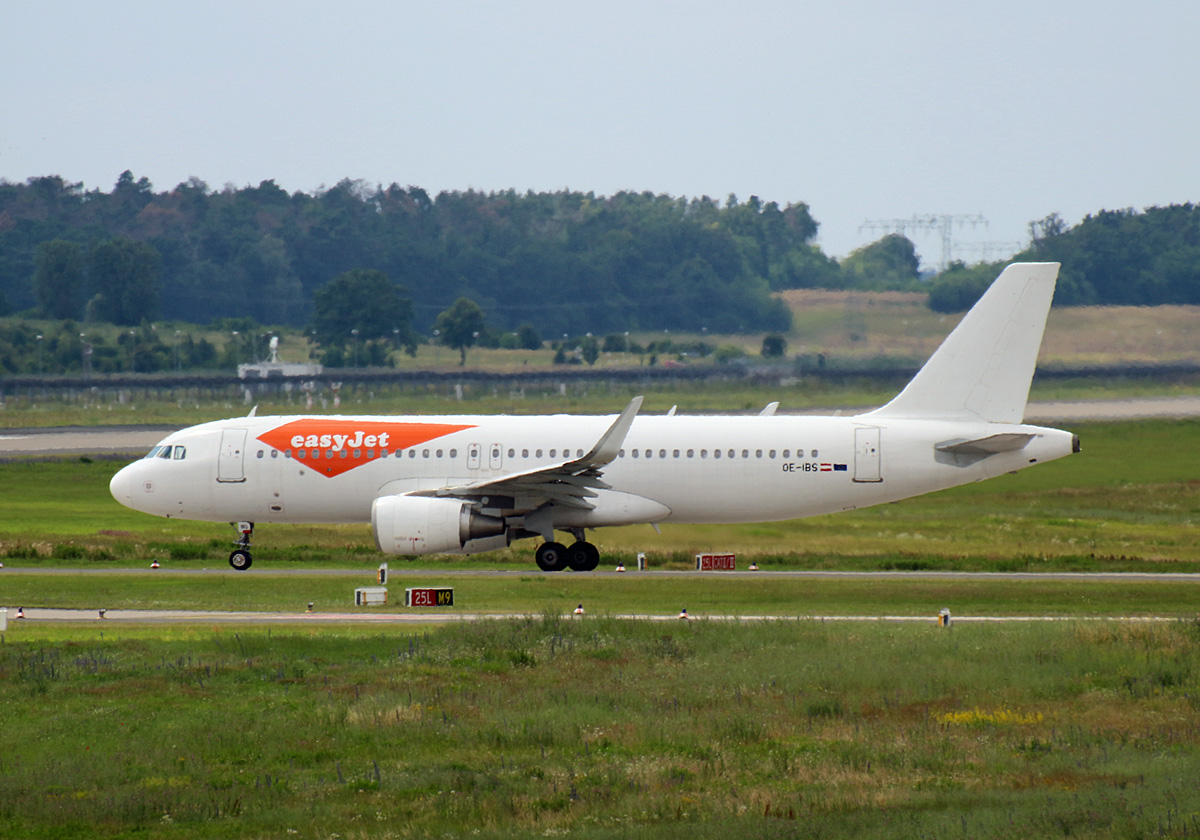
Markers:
(866, 455)
(473, 456)
(230, 463)
(496, 456)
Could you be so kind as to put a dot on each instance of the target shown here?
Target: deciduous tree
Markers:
(460, 326)
(58, 278)
(366, 301)
(124, 275)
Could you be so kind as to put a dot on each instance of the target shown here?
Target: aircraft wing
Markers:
(568, 483)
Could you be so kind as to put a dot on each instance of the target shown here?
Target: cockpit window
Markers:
(168, 453)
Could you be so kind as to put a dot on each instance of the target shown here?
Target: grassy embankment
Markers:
(847, 327)
(601, 729)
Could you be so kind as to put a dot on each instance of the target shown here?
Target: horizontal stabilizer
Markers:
(986, 446)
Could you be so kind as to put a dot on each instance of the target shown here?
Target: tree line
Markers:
(555, 263)
(1111, 258)
(569, 262)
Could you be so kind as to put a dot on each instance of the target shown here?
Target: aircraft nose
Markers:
(122, 485)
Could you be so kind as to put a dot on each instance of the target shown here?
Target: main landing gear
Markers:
(581, 556)
(240, 559)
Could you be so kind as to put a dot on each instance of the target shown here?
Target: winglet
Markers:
(769, 410)
(609, 445)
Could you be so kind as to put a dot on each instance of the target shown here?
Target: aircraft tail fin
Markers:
(983, 368)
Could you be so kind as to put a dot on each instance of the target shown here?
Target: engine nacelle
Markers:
(425, 525)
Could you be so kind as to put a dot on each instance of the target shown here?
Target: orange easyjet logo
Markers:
(333, 447)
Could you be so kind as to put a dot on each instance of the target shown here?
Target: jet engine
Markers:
(424, 525)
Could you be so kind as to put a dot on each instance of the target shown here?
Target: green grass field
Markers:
(598, 728)
(646, 593)
(541, 726)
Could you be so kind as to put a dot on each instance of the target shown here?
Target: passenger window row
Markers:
(314, 454)
(716, 453)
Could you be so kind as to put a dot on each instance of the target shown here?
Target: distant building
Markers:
(274, 368)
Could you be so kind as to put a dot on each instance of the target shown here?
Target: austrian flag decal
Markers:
(333, 447)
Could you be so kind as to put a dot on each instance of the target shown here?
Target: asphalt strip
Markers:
(36, 614)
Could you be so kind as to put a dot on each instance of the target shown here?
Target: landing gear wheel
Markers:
(240, 559)
(551, 557)
(583, 557)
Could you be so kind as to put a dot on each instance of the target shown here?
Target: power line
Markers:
(943, 223)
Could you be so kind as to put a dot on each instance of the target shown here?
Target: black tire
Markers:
(551, 557)
(583, 557)
(240, 559)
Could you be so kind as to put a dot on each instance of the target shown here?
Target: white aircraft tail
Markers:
(983, 369)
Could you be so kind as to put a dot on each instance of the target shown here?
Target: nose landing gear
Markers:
(240, 559)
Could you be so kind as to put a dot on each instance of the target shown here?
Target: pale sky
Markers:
(865, 111)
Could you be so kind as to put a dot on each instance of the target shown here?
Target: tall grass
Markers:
(601, 728)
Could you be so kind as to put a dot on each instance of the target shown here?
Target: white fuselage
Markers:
(691, 468)
(465, 483)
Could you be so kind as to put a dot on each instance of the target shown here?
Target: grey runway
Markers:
(137, 440)
(34, 615)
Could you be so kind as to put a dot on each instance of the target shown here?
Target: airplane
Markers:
(464, 484)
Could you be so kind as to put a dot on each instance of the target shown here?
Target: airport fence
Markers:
(209, 387)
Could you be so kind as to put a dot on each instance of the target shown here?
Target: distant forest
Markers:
(1111, 258)
(565, 262)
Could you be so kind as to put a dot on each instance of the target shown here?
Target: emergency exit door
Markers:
(230, 464)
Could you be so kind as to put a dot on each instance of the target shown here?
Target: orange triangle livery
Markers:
(333, 447)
